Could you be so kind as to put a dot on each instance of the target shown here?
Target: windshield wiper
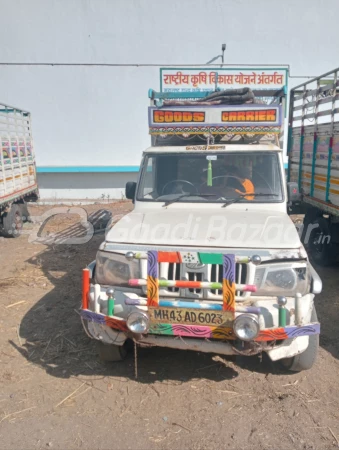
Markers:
(258, 194)
(173, 200)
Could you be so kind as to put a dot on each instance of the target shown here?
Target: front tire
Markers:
(12, 222)
(111, 353)
(306, 359)
(320, 246)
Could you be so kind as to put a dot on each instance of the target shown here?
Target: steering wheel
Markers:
(228, 191)
(179, 181)
(223, 176)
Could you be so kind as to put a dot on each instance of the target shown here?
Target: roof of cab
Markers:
(214, 148)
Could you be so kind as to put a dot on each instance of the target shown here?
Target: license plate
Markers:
(191, 316)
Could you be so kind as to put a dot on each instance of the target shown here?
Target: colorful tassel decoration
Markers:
(209, 174)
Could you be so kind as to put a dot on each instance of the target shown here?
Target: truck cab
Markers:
(209, 253)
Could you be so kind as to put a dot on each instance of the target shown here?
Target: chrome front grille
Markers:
(216, 276)
(195, 276)
(198, 272)
(245, 274)
(173, 274)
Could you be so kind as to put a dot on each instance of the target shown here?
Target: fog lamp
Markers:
(246, 327)
(138, 322)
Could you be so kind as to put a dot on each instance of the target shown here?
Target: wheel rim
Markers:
(17, 223)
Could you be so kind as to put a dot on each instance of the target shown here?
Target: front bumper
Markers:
(278, 342)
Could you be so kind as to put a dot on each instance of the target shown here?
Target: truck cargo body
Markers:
(313, 150)
(18, 181)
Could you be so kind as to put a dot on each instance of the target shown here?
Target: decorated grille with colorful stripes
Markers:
(228, 285)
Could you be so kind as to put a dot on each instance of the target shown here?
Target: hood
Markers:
(260, 229)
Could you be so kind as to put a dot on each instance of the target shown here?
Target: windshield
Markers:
(210, 177)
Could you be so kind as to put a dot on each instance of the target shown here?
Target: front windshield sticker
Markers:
(211, 157)
(205, 147)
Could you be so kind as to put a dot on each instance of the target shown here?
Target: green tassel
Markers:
(282, 316)
(110, 307)
(209, 174)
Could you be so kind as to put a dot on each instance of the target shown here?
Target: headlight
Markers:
(246, 327)
(138, 322)
(113, 269)
(282, 279)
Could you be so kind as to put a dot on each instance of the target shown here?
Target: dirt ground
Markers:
(55, 393)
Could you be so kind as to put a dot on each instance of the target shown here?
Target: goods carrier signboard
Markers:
(221, 119)
(203, 79)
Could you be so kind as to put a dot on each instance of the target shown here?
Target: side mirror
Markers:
(294, 196)
(130, 189)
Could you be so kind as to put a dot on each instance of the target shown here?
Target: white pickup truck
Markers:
(209, 259)
(18, 183)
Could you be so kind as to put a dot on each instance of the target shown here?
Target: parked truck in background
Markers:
(209, 259)
(313, 150)
(18, 182)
